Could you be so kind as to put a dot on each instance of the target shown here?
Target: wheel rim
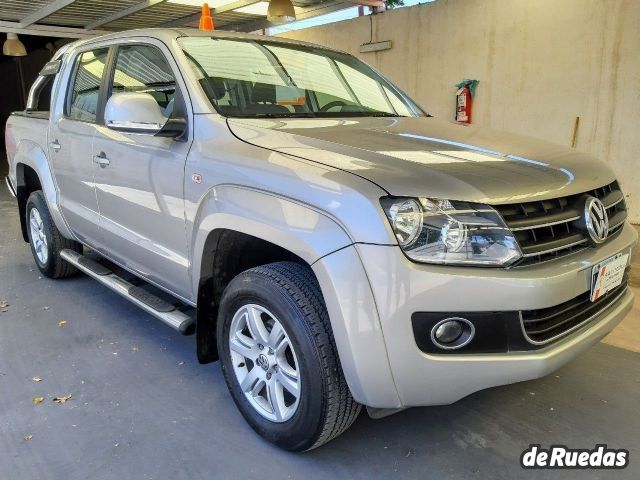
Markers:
(38, 237)
(265, 363)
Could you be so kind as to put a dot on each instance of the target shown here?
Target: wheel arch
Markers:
(233, 219)
(27, 182)
(33, 173)
(220, 263)
(237, 228)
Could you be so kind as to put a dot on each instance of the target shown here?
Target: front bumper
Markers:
(401, 288)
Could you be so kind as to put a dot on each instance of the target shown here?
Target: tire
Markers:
(51, 264)
(285, 294)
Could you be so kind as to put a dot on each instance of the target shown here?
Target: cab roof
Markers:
(169, 34)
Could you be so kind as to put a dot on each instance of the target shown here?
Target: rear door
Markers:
(71, 130)
(140, 185)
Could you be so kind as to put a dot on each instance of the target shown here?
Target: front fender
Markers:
(323, 244)
(294, 226)
(28, 153)
(356, 328)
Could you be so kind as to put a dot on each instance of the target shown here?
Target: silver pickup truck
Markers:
(331, 243)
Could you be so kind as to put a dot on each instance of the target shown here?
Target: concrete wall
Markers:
(541, 63)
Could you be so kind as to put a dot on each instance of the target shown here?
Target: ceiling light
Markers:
(13, 47)
(281, 11)
(259, 8)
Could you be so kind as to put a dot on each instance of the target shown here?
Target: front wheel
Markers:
(46, 240)
(279, 358)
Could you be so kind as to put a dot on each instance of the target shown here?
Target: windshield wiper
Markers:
(316, 115)
(357, 114)
(275, 115)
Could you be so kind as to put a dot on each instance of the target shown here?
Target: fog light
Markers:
(449, 331)
(452, 333)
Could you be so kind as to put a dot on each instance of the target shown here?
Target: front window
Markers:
(256, 78)
(143, 68)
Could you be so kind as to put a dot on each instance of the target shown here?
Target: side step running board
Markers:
(150, 303)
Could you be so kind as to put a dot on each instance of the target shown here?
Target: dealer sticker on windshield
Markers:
(607, 275)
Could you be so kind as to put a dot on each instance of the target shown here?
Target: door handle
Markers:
(101, 159)
(55, 146)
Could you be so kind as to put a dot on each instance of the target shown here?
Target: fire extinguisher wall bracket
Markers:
(464, 100)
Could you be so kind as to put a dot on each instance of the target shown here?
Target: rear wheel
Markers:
(279, 357)
(45, 239)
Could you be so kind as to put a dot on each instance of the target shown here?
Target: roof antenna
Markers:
(206, 21)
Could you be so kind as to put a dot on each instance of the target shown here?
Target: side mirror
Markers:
(134, 112)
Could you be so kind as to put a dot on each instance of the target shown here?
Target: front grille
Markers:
(542, 326)
(546, 229)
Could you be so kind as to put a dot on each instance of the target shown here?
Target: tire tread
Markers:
(300, 283)
(59, 268)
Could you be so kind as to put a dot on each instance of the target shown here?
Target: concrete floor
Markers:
(143, 408)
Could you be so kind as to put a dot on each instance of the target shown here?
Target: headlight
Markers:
(451, 232)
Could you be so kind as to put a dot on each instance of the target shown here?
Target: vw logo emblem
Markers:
(596, 219)
(263, 362)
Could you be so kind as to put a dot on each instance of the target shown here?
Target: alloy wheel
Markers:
(38, 236)
(265, 363)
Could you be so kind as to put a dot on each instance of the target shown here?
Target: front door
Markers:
(139, 179)
(71, 131)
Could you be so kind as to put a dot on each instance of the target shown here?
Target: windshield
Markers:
(255, 78)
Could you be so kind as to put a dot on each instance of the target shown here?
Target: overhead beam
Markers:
(182, 21)
(179, 22)
(49, 31)
(368, 3)
(234, 6)
(123, 13)
(309, 12)
(44, 12)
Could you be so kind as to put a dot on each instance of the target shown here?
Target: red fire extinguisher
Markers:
(464, 100)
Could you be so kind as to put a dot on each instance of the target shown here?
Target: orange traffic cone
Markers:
(206, 21)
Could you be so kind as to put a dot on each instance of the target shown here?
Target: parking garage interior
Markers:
(140, 405)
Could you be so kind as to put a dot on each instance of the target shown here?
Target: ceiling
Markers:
(82, 18)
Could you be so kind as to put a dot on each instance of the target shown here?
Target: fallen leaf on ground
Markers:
(62, 399)
(27, 437)
(62, 323)
(36, 379)
(45, 308)
(38, 400)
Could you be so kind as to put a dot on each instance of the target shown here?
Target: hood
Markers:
(424, 156)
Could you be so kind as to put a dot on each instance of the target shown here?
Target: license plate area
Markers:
(607, 275)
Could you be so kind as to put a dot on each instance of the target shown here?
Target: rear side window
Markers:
(143, 68)
(85, 92)
(44, 97)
